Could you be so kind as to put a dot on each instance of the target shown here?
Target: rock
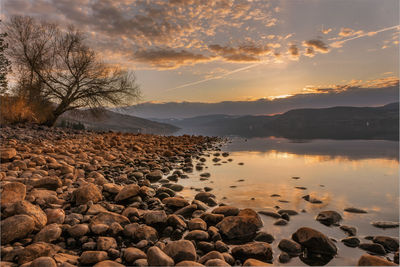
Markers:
(351, 241)
(389, 243)
(145, 232)
(16, 227)
(108, 263)
(254, 262)
(264, 237)
(92, 257)
(197, 235)
(55, 216)
(49, 233)
(270, 214)
(189, 263)
(36, 250)
(369, 260)
(206, 197)
(112, 188)
(329, 217)
(226, 211)
(154, 176)
(197, 224)
(281, 222)
(43, 262)
(314, 241)
(351, 231)
(186, 211)
(182, 250)
(312, 200)
(175, 202)
(156, 257)
(211, 255)
(141, 262)
(385, 224)
(86, 193)
(108, 218)
(155, 217)
(256, 250)
(284, 257)
(127, 192)
(63, 258)
(105, 243)
(7, 154)
(11, 193)
(289, 246)
(238, 227)
(216, 262)
(396, 257)
(288, 212)
(355, 210)
(27, 208)
(50, 183)
(95, 209)
(251, 214)
(211, 218)
(373, 248)
(78, 230)
(132, 254)
(175, 221)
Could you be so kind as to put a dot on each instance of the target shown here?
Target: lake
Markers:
(341, 173)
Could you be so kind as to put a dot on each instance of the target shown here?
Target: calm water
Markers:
(351, 173)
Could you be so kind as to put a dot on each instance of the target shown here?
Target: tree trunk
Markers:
(51, 120)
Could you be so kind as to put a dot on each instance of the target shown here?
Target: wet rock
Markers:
(238, 227)
(197, 235)
(36, 250)
(207, 198)
(329, 217)
(11, 193)
(385, 224)
(281, 222)
(141, 263)
(369, 260)
(211, 255)
(175, 221)
(311, 199)
(182, 250)
(16, 227)
(351, 231)
(226, 211)
(107, 218)
(212, 219)
(133, 254)
(175, 202)
(256, 250)
(49, 233)
(27, 208)
(186, 211)
(51, 183)
(154, 176)
(189, 263)
(127, 192)
(92, 257)
(264, 237)
(288, 212)
(270, 214)
(78, 230)
(156, 257)
(105, 243)
(351, 241)
(355, 210)
(108, 263)
(315, 241)
(43, 262)
(374, 248)
(155, 217)
(389, 243)
(221, 246)
(86, 193)
(216, 262)
(289, 246)
(254, 262)
(197, 224)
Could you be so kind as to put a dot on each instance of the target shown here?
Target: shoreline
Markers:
(83, 198)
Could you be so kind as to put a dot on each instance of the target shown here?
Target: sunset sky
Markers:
(210, 51)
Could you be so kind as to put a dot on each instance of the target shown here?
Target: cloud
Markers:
(326, 31)
(345, 32)
(168, 58)
(293, 52)
(243, 53)
(317, 45)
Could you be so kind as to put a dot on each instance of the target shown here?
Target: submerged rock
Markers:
(329, 217)
(355, 210)
(314, 241)
(385, 224)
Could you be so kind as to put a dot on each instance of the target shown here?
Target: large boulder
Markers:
(155, 217)
(11, 193)
(314, 241)
(257, 250)
(182, 250)
(36, 250)
(86, 193)
(16, 227)
(27, 208)
(241, 228)
(156, 257)
(49, 233)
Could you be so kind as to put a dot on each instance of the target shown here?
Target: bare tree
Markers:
(57, 66)
(4, 63)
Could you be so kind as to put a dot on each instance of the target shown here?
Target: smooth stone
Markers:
(373, 248)
(27, 208)
(315, 241)
(155, 217)
(16, 227)
(49, 233)
(86, 193)
(351, 231)
(385, 224)
(351, 241)
(175, 202)
(270, 214)
(43, 262)
(12, 192)
(108, 263)
(197, 224)
(78, 230)
(355, 210)
(55, 216)
(189, 263)
(226, 211)
(264, 237)
(329, 217)
(281, 222)
(133, 254)
(256, 250)
(36, 250)
(284, 257)
(389, 243)
(211, 255)
(182, 250)
(127, 192)
(216, 262)
(156, 257)
(92, 257)
(369, 260)
(289, 212)
(105, 243)
(154, 176)
(291, 247)
(197, 235)
(254, 262)
(145, 232)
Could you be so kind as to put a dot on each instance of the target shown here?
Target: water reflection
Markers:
(342, 174)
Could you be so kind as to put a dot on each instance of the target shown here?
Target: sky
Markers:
(223, 50)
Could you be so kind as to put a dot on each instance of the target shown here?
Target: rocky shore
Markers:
(80, 198)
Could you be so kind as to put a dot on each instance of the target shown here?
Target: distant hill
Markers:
(112, 121)
(335, 122)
